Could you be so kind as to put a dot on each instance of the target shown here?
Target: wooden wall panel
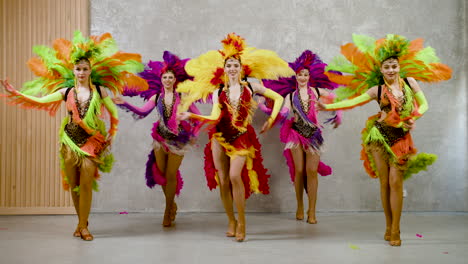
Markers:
(30, 180)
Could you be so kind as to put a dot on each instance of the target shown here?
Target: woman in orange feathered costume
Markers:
(77, 72)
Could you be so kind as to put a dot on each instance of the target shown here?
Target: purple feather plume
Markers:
(155, 69)
(307, 60)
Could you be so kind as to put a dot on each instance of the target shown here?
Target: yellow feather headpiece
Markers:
(208, 68)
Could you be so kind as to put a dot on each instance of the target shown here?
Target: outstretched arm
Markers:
(49, 102)
(328, 98)
(351, 103)
(139, 112)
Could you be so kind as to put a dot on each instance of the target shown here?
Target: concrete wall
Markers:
(189, 28)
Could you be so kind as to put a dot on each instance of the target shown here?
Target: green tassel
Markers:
(77, 189)
(108, 162)
(418, 163)
(95, 185)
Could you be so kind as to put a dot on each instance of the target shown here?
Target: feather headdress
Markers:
(362, 60)
(208, 68)
(154, 71)
(309, 61)
(110, 67)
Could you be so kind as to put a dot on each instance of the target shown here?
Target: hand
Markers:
(320, 106)
(335, 124)
(118, 100)
(183, 116)
(409, 124)
(265, 127)
(261, 99)
(7, 85)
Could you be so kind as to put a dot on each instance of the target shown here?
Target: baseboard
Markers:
(36, 210)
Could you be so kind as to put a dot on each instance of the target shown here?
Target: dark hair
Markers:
(390, 58)
(80, 59)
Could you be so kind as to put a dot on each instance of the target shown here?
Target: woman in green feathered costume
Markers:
(386, 70)
(77, 72)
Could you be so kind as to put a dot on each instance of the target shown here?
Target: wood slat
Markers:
(30, 181)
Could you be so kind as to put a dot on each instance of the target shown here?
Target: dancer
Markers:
(386, 70)
(78, 72)
(302, 133)
(232, 157)
(171, 137)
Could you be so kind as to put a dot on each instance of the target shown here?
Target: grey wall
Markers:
(189, 28)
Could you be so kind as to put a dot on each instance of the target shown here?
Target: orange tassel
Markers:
(403, 148)
(94, 145)
(366, 163)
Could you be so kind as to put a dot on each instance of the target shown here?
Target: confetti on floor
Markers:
(419, 235)
(124, 212)
(351, 246)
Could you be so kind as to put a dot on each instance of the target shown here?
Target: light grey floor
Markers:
(199, 238)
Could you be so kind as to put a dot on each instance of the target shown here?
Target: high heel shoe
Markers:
(395, 240)
(231, 231)
(77, 231)
(299, 214)
(85, 234)
(167, 219)
(387, 234)
(240, 233)
(311, 220)
(173, 212)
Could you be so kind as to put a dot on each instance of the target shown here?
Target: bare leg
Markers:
(161, 162)
(172, 166)
(396, 203)
(87, 172)
(298, 158)
(71, 173)
(382, 171)
(221, 164)
(312, 162)
(235, 170)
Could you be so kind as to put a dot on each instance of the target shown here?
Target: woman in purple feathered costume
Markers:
(302, 133)
(172, 138)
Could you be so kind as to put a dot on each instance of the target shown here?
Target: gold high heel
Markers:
(240, 233)
(387, 234)
(230, 233)
(395, 240)
(85, 234)
(173, 212)
(311, 220)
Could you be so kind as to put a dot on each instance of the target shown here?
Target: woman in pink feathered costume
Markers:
(171, 138)
(302, 133)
